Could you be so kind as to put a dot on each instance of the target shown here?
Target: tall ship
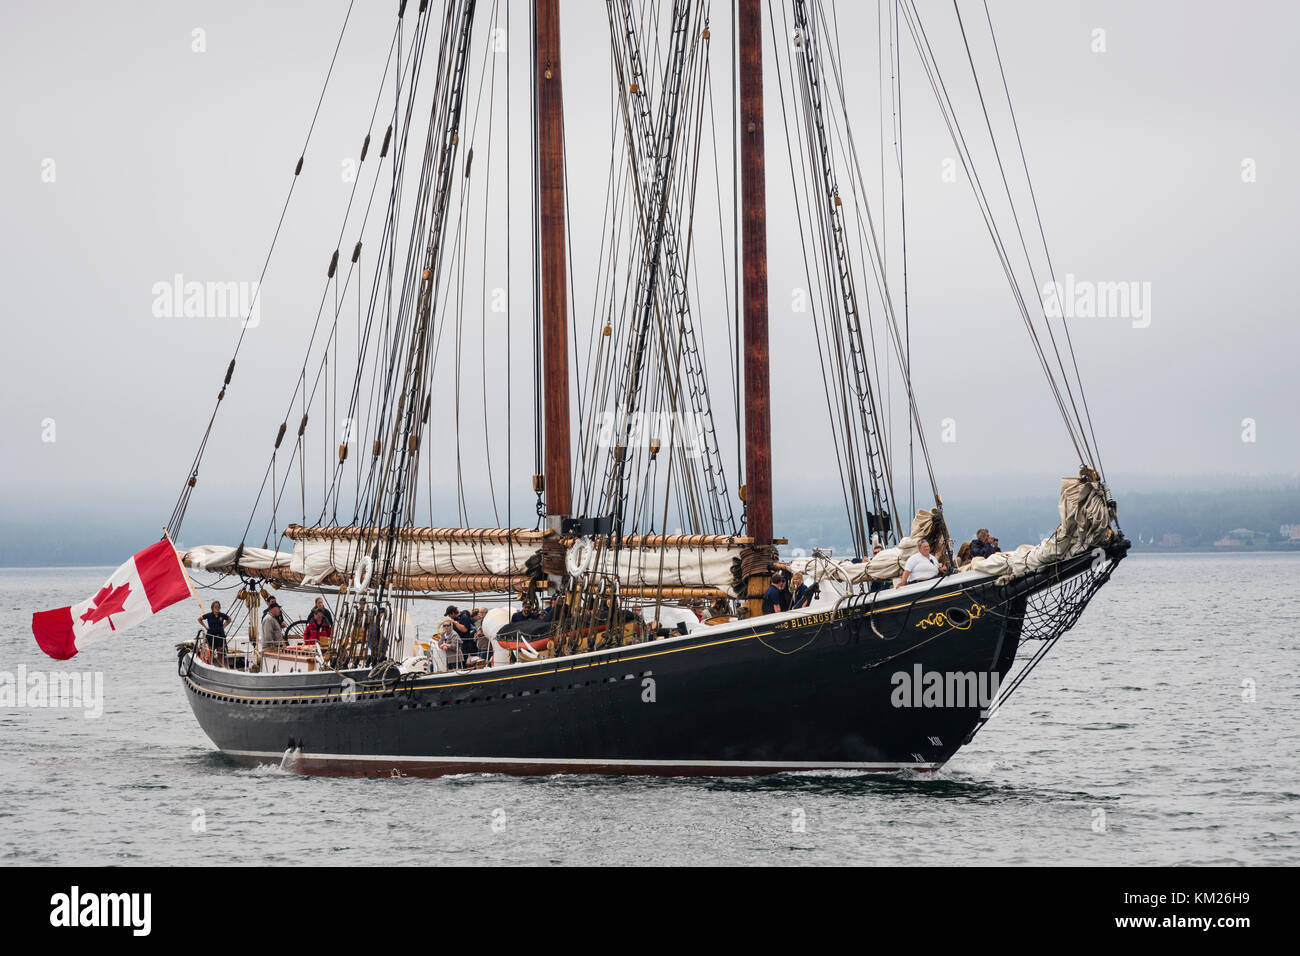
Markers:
(648, 621)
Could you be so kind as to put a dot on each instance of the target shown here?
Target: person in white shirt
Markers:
(921, 566)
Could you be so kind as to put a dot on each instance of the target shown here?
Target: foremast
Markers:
(757, 490)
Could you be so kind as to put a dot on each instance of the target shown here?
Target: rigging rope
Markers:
(192, 475)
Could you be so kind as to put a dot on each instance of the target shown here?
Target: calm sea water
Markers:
(1162, 730)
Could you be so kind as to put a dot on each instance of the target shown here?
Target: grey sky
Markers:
(170, 161)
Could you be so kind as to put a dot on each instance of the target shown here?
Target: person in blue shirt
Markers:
(984, 545)
(214, 622)
(777, 596)
(526, 613)
(462, 625)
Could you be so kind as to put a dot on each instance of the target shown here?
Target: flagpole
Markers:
(185, 571)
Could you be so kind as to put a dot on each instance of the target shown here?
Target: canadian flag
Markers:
(152, 580)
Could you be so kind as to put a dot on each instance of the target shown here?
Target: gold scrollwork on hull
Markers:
(943, 618)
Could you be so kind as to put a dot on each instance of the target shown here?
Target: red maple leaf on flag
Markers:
(108, 601)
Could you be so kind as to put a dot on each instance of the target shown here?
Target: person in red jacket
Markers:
(317, 627)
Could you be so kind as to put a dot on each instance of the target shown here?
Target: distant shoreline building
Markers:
(1241, 537)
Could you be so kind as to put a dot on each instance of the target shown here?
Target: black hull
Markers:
(819, 691)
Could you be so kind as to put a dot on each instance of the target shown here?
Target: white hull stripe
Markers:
(588, 761)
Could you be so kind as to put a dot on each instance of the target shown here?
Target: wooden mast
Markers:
(550, 167)
(758, 424)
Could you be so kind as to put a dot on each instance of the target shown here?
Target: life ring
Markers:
(579, 559)
(361, 576)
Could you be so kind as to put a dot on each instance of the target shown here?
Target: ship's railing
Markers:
(251, 657)
(220, 655)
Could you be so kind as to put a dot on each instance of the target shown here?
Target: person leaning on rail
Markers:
(922, 566)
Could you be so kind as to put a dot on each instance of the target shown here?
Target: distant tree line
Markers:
(1197, 518)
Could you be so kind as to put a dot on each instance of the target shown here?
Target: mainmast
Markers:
(758, 423)
(554, 304)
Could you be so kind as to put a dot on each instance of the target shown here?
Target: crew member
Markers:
(214, 623)
(777, 596)
(271, 633)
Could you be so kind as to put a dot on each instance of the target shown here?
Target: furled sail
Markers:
(1085, 521)
(220, 557)
(320, 552)
(487, 559)
(425, 559)
(647, 562)
(1086, 516)
(885, 566)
